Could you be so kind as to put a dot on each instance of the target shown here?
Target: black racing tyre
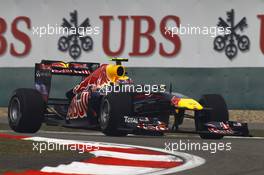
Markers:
(26, 111)
(218, 113)
(113, 108)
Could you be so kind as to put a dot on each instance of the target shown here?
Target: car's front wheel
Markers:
(112, 111)
(218, 112)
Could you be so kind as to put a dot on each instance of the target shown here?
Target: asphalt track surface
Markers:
(245, 157)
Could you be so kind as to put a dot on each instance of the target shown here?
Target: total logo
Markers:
(130, 120)
(135, 120)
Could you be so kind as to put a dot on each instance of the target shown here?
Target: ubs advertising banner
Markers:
(151, 33)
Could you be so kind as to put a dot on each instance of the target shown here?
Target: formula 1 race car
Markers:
(107, 98)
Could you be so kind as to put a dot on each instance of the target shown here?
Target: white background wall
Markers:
(196, 51)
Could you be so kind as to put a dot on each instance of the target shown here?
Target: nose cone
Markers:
(189, 104)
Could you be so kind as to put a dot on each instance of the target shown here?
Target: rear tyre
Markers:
(113, 108)
(219, 113)
(26, 111)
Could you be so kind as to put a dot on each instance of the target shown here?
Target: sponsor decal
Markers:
(138, 34)
(20, 36)
(231, 42)
(78, 107)
(130, 119)
(75, 41)
(142, 36)
(175, 101)
(143, 119)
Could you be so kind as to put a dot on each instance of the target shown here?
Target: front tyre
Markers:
(218, 113)
(112, 111)
(26, 111)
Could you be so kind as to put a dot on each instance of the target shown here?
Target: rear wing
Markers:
(46, 68)
(62, 68)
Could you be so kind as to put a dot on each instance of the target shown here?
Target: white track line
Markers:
(190, 161)
(90, 168)
(145, 157)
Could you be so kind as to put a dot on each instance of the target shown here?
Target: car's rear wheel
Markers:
(25, 110)
(113, 108)
(218, 113)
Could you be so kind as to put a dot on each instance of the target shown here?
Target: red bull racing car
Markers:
(107, 98)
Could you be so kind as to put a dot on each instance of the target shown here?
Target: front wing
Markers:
(227, 128)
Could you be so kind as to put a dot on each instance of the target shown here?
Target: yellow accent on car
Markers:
(66, 65)
(123, 78)
(115, 72)
(189, 104)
